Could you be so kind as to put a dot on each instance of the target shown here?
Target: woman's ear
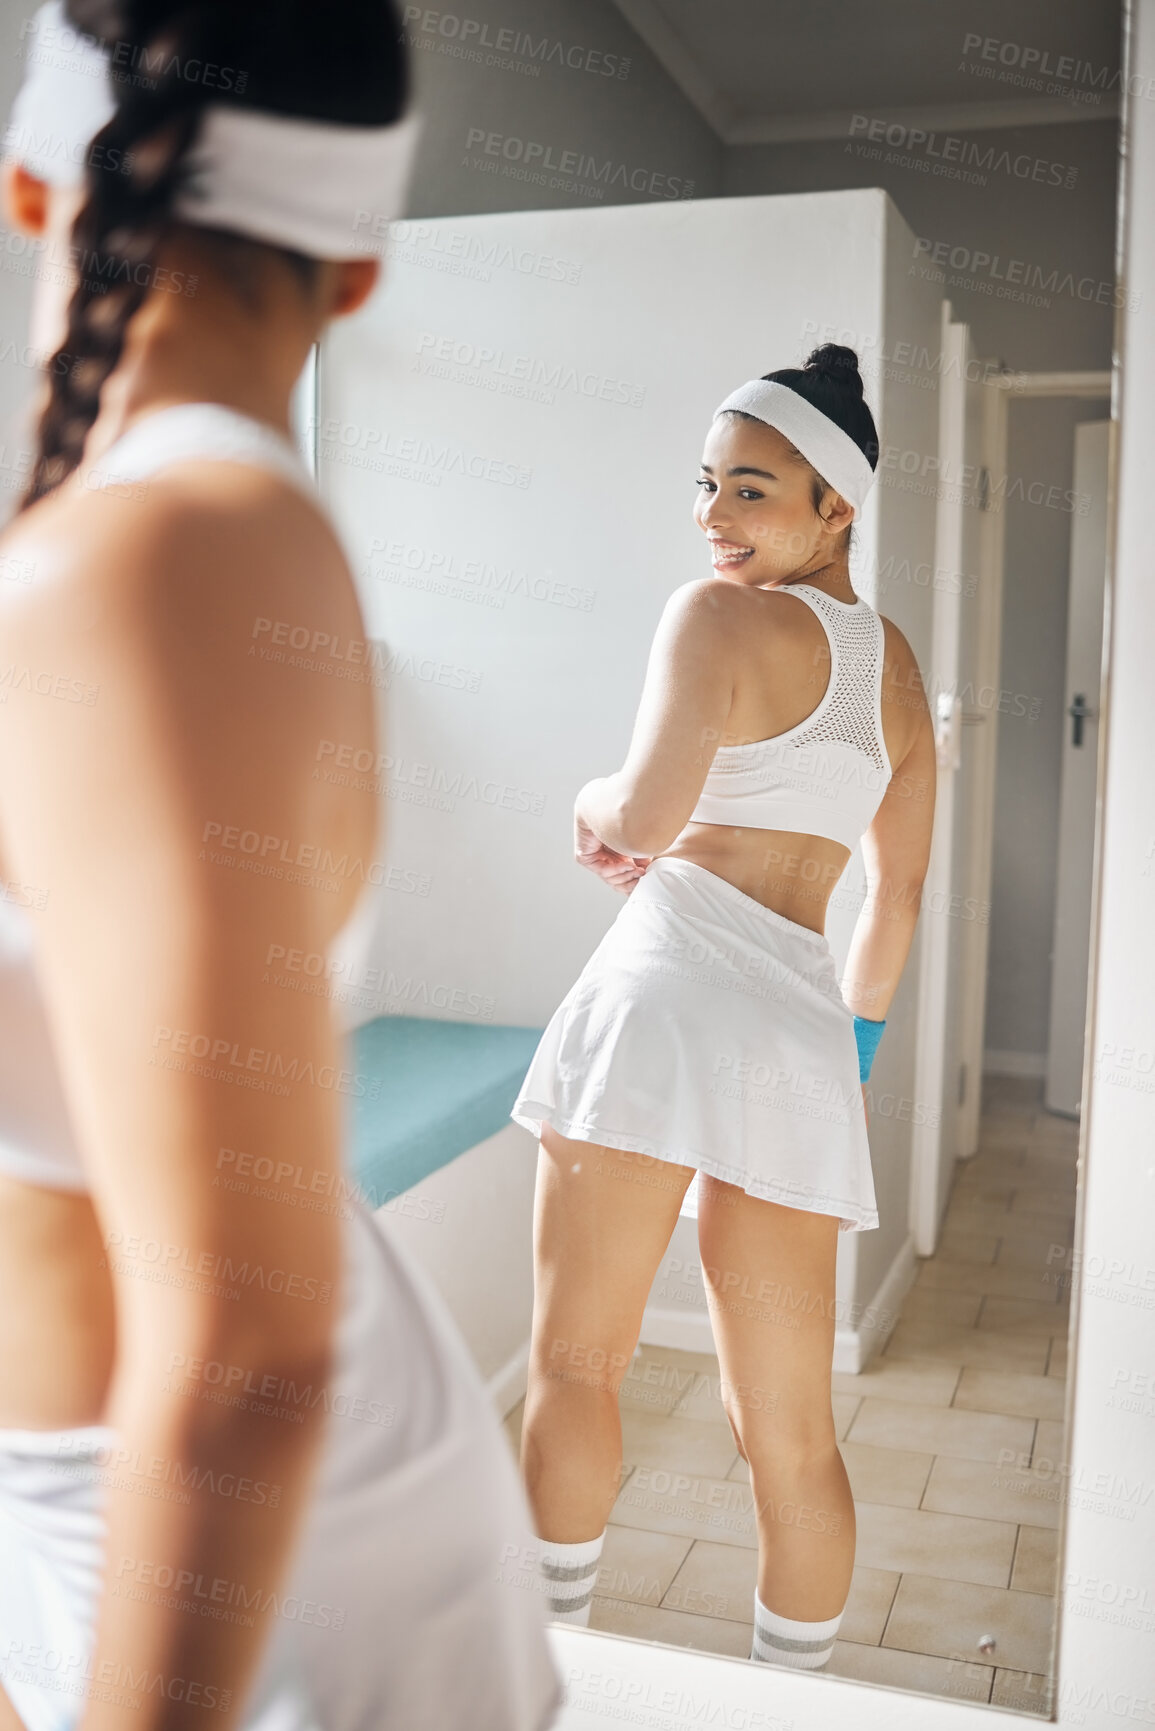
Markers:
(836, 513)
(355, 281)
(25, 200)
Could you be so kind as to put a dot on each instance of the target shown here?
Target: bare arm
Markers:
(685, 702)
(174, 1052)
(896, 852)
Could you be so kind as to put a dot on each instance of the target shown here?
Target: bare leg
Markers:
(602, 1221)
(769, 1278)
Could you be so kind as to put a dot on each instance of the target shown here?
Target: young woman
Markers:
(248, 1476)
(708, 1035)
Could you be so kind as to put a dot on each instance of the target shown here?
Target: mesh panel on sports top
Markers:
(849, 717)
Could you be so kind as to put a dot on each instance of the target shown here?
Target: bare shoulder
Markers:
(206, 632)
(199, 561)
(902, 684)
(711, 605)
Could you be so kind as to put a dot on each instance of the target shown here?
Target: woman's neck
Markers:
(831, 576)
(209, 345)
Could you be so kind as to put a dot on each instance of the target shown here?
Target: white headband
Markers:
(324, 189)
(825, 446)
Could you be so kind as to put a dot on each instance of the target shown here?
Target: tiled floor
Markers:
(952, 1439)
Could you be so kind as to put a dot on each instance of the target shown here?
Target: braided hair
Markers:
(169, 61)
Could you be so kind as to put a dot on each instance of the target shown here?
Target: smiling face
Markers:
(756, 505)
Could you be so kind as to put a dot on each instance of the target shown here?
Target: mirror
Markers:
(622, 212)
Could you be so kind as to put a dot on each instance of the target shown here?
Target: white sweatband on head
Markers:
(828, 450)
(322, 188)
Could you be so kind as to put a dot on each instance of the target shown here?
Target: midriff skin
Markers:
(57, 1330)
(791, 873)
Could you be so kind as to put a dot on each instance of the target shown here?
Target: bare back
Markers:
(781, 668)
(203, 582)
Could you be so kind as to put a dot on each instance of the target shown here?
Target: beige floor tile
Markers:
(921, 1380)
(968, 1246)
(679, 1444)
(949, 1618)
(660, 1377)
(1056, 1222)
(637, 1567)
(1046, 1199)
(988, 1347)
(1050, 1442)
(933, 1304)
(942, 1274)
(963, 1435)
(1036, 1562)
(844, 1407)
(1024, 1316)
(886, 1475)
(892, 1669)
(687, 1506)
(1057, 1363)
(964, 1216)
(674, 1628)
(983, 1189)
(739, 1472)
(954, 1547)
(1022, 1692)
(1011, 1093)
(988, 1163)
(715, 1581)
(995, 1493)
(1057, 1171)
(1038, 1250)
(871, 1596)
(997, 1391)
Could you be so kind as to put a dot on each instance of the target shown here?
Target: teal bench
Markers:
(431, 1090)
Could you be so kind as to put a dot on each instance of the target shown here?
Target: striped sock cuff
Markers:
(786, 1641)
(570, 1573)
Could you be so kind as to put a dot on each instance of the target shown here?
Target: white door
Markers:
(947, 1065)
(1070, 950)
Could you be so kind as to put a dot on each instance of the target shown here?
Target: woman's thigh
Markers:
(769, 1279)
(602, 1221)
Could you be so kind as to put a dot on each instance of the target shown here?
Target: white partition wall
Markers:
(509, 436)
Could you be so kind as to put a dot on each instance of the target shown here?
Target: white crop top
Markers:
(36, 1139)
(826, 776)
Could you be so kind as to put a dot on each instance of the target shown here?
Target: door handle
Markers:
(1079, 710)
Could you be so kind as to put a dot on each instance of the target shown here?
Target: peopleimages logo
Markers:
(534, 161)
(510, 50)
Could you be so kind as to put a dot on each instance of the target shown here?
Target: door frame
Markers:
(999, 393)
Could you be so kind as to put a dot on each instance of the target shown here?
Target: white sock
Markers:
(570, 1573)
(786, 1641)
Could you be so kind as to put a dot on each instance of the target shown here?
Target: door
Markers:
(1072, 933)
(947, 1063)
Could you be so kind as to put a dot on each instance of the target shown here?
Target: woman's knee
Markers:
(775, 1446)
(561, 1364)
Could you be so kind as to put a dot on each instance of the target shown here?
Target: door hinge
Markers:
(984, 488)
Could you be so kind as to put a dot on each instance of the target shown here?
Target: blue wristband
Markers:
(867, 1034)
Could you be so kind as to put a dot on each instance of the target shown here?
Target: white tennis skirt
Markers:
(710, 1031)
(412, 1602)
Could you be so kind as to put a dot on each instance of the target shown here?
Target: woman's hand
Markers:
(620, 871)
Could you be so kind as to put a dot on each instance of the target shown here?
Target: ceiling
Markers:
(770, 71)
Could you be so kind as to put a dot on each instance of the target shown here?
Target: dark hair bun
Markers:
(835, 363)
